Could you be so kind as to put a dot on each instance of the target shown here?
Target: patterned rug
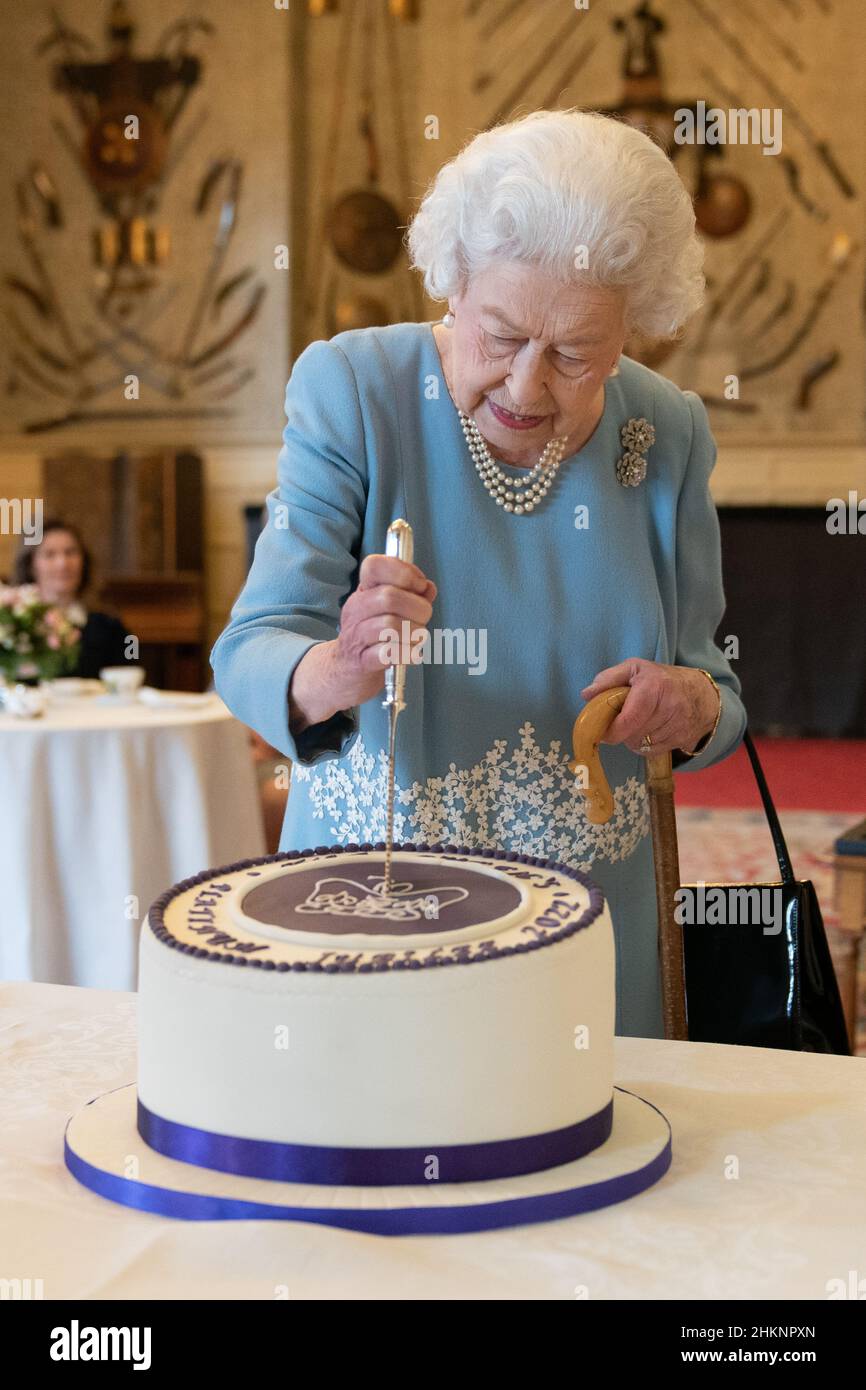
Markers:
(727, 846)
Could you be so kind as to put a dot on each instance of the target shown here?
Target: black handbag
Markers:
(765, 988)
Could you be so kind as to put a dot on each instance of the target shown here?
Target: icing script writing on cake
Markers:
(345, 897)
(201, 920)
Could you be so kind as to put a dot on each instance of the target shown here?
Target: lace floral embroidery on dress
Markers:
(522, 799)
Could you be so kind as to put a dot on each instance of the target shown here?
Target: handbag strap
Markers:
(784, 859)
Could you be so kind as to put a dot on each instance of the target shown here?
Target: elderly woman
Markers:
(565, 537)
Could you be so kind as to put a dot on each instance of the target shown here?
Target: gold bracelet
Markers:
(704, 743)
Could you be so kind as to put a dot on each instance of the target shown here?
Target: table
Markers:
(102, 807)
(793, 1219)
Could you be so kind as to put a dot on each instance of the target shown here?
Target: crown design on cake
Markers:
(402, 904)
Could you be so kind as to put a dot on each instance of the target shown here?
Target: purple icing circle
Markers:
(337, 899)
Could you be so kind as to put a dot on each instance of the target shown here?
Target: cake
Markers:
(435, 1058)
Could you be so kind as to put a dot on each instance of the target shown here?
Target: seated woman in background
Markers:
(60, 568)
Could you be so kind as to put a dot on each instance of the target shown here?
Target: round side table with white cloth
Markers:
(105, 803)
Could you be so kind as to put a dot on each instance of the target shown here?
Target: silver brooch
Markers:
(637, 436)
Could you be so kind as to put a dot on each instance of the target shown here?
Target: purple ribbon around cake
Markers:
(378, 1221)
(504, 1210)
(369, 1167)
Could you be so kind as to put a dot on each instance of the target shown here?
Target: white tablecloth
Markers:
(102, 807)
(794, 1218)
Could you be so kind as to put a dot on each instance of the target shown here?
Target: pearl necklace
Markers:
(519, 497)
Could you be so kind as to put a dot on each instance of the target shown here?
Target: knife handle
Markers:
(399, 543)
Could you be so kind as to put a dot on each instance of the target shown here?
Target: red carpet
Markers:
(810, 774)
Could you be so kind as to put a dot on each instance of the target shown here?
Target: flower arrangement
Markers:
(37, 640)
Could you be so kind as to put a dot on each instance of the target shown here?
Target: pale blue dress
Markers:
(598, 573)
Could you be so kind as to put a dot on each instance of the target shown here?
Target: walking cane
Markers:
(590, 727)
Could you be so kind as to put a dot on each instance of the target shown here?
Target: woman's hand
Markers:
(337, 675)
(674, 705)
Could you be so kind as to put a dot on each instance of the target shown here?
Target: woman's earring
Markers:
(615, 369)
(448, 319)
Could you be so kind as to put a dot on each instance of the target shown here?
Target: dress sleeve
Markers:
(305, 562)
(700, 596)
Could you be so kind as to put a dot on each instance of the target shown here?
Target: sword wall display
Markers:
(740, 303)
(721, 296)
(511, 56)
(812, 375)
(791, 171)
(788, 165)
(360, 230)
(514, 55)
(777, 313)
(741, 52)
(558, 90)
(781, 45)
(722, 202)
(131, 255)
(551, 49)
(841, 250)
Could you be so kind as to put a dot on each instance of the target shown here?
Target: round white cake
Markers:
(467, 1015)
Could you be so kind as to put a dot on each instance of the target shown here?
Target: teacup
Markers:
(122, 680)
(23, 701)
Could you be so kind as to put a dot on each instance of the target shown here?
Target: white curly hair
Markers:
(538, 188)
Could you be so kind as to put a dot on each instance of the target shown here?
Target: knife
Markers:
(399, 543)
